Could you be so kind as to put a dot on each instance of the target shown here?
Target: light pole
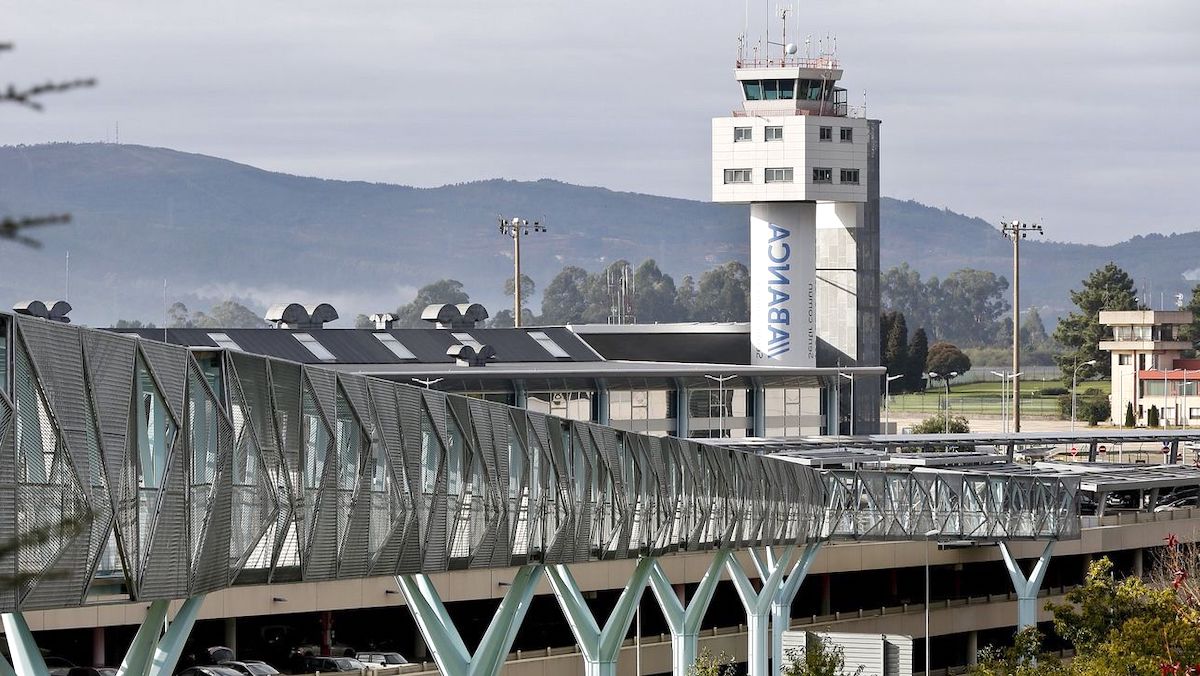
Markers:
(1017, 231)
(1074, 386)
(1003, 400)
(928, 535)
(517, 228)
(1164, 408)
(850, 377)
(946, 379)
(720, 380)
(1185, 399)
(887, 383)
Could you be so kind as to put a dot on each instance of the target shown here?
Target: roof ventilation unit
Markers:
(384, 321)
(465, 355)
(297, 316)
(36, 308)
(461, 316)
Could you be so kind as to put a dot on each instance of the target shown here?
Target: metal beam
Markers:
(781, 606)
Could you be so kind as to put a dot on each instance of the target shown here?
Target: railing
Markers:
(820, 62)
(933, 404)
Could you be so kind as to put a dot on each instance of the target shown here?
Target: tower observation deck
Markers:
(807, 163)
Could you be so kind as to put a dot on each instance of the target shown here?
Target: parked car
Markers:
(58, 666)
(382, 659)
(1180, 503)
(208, 671)
(251, 667)
(334, 664)
(92, 671)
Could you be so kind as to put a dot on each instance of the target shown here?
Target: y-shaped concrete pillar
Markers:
(26, 658)
(1027, 588)
(600, 647)
(781, 607)
(152, 653)
(685, 622)
(758, 605)
(449, 651)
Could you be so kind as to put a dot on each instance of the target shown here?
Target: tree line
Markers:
(576, 296)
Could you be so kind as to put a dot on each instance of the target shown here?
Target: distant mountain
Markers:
(213, 229)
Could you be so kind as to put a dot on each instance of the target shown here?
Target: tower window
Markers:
(847, 135)
(743, 134)
(826, 134)
(770, 90)
(822, 175)
(774, 134)
(850, 176)
(737, 176)
(779, 175)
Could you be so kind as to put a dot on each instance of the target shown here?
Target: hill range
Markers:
(214, 229)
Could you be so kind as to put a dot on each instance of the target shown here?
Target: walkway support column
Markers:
(758, 604)
(684, 622)
(781, 606)
(600, 647)
(449, 652)
(1027, 588)
(22, 649)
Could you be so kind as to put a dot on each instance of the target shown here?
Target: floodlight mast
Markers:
(517, 228)
(1017, 231)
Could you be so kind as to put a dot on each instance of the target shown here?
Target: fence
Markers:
(971, 405)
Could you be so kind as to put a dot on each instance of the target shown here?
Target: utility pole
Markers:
(517, 228)
(1017, 231)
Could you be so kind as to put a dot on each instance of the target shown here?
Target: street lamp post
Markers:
(1074, 386)
(928, 535)
(1017, 231)
(1165, 390)
(1003, 400)
(517, 228)
(946, 379)
(887, 383)
(720, 380)
(850, 377)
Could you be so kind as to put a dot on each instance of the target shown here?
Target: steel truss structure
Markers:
(175, 475)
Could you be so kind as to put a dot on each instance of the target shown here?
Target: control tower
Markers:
(807, 163)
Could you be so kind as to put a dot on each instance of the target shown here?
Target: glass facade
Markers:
(645, 408)
(1174, 388)
(720, 411)
(570, 404)
(792, 411)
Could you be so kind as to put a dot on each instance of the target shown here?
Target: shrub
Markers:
(708, 665)
(1152, 417)
(1091, 408)
(937, 425)
(1053, 391)
(1130, 418)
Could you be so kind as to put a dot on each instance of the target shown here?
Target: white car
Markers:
(381, 659)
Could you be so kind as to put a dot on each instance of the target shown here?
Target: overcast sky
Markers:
(1083, 113)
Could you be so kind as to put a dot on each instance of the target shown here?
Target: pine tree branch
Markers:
(10, 227)
(28, 97)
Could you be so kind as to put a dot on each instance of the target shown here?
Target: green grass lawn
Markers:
(985, 398)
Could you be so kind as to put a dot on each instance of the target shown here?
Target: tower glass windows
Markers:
(778, 175)
(826, 134)
(737, 176)
(773, 134)
(814, 90)
(849, 176)
(822, 175)
(743, 134)
(769, 90)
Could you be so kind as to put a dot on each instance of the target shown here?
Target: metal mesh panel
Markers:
(50, 499)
